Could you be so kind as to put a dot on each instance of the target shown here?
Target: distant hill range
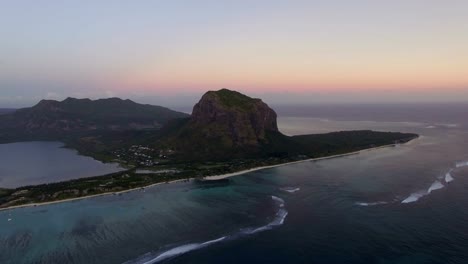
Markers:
(53, 119)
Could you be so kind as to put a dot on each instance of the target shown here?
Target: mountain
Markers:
(52, 119)
(235, 118)
(226, 125)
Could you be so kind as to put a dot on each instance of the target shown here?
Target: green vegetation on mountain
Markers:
(70, 118)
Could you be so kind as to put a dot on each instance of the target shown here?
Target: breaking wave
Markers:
(290, 189)
(461, 164)
(448, 177)
(280, 216)
(182, 250)
(371, 203)
(435, 186)
(278, 220)
(418, 195)
(414, 197)
(447, 125)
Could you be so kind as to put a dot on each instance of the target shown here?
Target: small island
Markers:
(227, 134)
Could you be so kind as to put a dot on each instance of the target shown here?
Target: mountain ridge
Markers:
(54, 119)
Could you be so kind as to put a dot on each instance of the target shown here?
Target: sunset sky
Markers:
(170, 52)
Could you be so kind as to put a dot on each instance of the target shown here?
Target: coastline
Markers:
(207, 178)
(227, 175)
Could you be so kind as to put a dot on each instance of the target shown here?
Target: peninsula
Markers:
(228, 133)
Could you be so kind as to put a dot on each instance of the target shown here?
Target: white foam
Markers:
(278, 200)
(182, 250)
(278, 220)
(461, 164)
(371, 203)
(290, 189)
(448, 125)
(414, 197)
(430, 127)
(435, 186)
(448, 177)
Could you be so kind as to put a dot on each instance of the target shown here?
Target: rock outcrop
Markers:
(224, 124)
(239, 119)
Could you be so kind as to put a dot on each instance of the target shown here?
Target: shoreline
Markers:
(206, 178)
(228, 175)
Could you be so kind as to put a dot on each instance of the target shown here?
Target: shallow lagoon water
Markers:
(29, 163)
(343, 210)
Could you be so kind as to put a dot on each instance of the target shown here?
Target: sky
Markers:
(171, 52)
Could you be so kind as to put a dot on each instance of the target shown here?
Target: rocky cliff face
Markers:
(224, 124)
(237, 118)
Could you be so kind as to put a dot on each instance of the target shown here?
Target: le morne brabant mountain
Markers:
(226, 124)
(226, 132)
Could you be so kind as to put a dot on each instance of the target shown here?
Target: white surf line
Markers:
(278, 220)
(414, 197)
(448, 176)
(436, 185)
(290, 189)
(461, 164)
(371, 203)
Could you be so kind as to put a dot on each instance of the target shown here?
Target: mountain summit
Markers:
(235, 118)
(225, 124)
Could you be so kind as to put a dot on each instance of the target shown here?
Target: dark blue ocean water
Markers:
(404, 204)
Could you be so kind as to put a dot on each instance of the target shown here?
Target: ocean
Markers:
(402, 204)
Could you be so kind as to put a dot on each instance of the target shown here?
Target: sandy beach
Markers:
(223, 176)
(207, 178)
